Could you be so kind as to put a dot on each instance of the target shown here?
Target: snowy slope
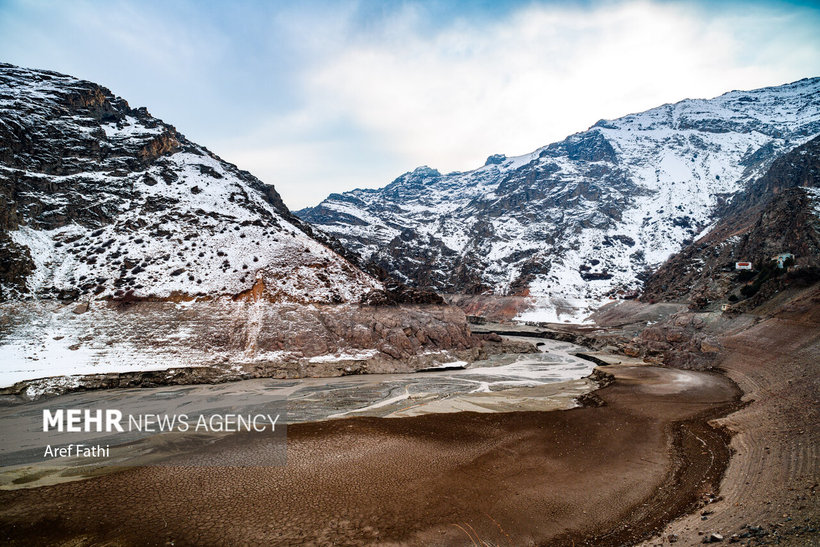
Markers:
(99, 199)
(579, 220)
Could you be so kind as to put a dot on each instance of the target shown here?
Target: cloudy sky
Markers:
(321, 97)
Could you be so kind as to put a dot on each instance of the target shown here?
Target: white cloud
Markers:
(451, 98)
(523, 82)
(317, 98)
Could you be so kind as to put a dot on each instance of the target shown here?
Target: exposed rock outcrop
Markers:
(118, 344)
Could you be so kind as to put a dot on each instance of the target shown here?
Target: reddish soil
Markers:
(491, 308)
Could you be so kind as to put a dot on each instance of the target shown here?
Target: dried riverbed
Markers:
(600, 475)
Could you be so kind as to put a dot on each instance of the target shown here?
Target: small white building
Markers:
(782, 258)
(743, 265)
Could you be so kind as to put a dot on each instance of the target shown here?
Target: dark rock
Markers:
(495, 159)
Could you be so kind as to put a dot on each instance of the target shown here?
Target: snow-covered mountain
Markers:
(581, 219)
(777, 213)
(99, 199)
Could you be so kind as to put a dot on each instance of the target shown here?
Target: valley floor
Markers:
(609, 474)
(769, 493)
(672, 456)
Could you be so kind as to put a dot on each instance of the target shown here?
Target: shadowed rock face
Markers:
(100, 199)
(582, 218)
(15, 267)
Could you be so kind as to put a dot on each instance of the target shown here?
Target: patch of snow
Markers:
(814, 194)
(344, 356)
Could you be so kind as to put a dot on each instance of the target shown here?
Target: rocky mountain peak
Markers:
(419, 175)
(495, 159)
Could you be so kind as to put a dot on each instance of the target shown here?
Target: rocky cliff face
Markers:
(777, 213)
(98, 199)
(581, 219)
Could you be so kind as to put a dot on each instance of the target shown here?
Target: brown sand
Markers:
(599, 475)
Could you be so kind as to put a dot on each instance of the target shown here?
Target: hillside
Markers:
(130, 255)
(777, 213)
